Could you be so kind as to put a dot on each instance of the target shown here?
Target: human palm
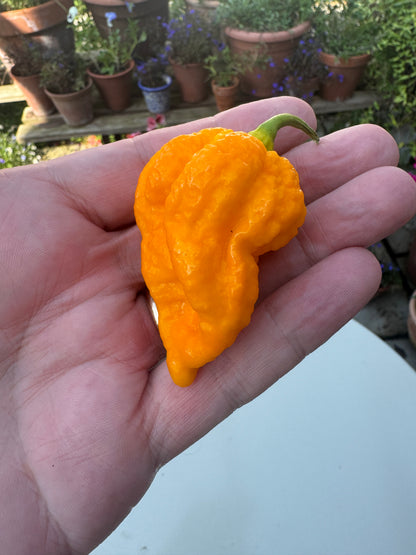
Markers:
(88, 410)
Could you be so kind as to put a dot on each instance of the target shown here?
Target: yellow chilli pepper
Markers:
(208, 205)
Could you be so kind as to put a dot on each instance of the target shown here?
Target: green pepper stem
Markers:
(266, 132)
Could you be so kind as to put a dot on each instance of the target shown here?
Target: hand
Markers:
(88, 410)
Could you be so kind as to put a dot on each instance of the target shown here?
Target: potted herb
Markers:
(66, 82)
(347, 31)
(154, 82)
(305, 69)
(25, 72)
(270, 29)
(224, 69)
(111, 66)
(189, 43)
(34, 20)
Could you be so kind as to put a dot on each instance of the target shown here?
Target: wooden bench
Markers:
(35, 129)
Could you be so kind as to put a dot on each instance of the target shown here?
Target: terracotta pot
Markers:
(45, 24)
(205, 8)
(116, 90)
(76, 108)
(225, 97)
(278, 46)
(157, 98)
(304, 88)
(142, 10)
(193, 81)
(34, 94)
(344, 75)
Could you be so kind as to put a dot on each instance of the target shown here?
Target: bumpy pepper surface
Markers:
(208, 205)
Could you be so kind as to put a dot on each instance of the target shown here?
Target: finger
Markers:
(359, 213)
(340, 157)
(101, 182)
(287, 326)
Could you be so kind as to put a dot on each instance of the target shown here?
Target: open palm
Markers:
(88, 410)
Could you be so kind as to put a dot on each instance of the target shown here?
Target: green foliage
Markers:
(347, 28)
(393, 71)
(86, 35)
(27, 56)
(63, 73)
(117, 50)
(14, 154)
(264, 15)
(224, 66)
(7, 5)
(189, 38)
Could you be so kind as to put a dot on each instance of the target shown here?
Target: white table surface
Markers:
(322, 463)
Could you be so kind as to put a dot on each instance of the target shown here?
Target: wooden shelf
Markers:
(52, 128)
(10, 93)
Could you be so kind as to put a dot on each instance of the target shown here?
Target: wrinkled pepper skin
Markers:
(208, 205)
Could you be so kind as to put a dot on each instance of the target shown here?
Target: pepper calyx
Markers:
(266, 132)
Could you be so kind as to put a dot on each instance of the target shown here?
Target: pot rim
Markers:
(333, 60)
(17, 22)
(95, 75)
(67, 95)
(168, 82)
(268, 36)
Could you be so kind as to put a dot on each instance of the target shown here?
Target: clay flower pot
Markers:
(45, 24)
(344, 75)
(225, 97)
(76, 108)
(116, 90)
(34, 94)
(279, 46)
(192, 80)
(141, 10)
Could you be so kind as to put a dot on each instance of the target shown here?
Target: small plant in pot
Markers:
(269, 28)
(154, 82)
(224, 69)
(27, 62)
(66, 82)
(189, 43)
(347, 31)
(305, 69)
(111, 66)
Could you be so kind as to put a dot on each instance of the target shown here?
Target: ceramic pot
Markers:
(157, 98)
(116, 90)
(279, 46)
(344, 76)
(34, 94)
(193, 81)
(45, 24)
(225, 97)
(76, 108)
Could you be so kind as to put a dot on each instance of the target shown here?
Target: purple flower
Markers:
(340, 78)
(2, 161)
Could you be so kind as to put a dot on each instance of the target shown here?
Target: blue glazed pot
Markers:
(157, 99)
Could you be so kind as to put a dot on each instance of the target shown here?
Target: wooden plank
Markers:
(10, 93)
(52, 128)
(359, 101)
